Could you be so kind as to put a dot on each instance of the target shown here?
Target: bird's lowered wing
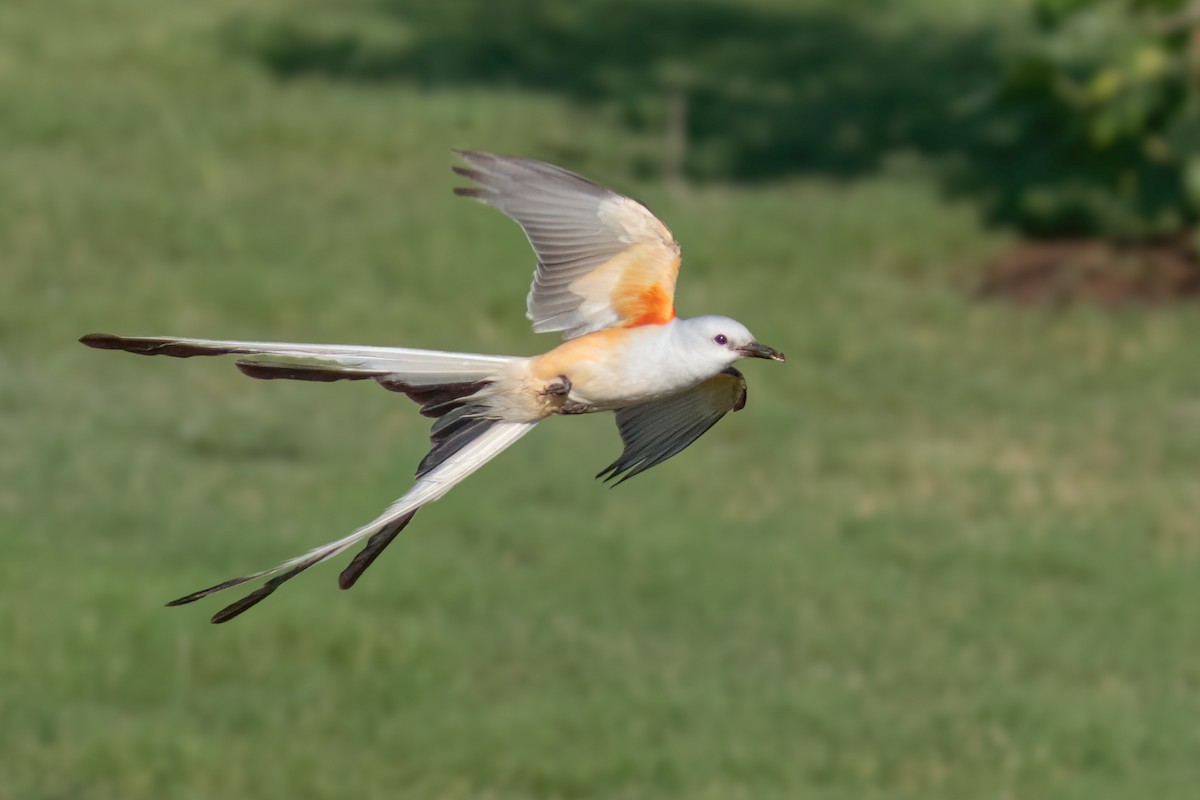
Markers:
(655, 431)
(604, 260)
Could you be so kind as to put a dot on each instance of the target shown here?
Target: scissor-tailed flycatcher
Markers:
(605, 278)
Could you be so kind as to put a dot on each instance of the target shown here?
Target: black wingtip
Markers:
(617, 472)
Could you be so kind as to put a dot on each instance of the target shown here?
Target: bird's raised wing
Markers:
(604, 260)
(655, 431)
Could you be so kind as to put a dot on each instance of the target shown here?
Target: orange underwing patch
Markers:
(654, 307)
(639, 282)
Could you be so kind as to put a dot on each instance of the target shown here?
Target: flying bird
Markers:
(605, 279)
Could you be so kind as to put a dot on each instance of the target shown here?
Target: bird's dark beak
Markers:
(759, 350)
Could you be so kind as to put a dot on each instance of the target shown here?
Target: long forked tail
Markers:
(447, 385)
(396, 368)
(473, 442)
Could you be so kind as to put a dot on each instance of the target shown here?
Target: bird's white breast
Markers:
(642, 364)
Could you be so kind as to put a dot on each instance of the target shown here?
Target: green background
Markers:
(948, 550)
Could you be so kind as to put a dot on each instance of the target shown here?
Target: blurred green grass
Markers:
(949, 550)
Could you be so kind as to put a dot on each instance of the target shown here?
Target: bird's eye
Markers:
(721, 339)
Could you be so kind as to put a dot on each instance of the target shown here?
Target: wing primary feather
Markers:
(656, 431)
(579, 230)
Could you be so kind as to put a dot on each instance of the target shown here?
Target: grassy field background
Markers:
(950, 549)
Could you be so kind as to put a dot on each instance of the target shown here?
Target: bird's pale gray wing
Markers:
(603, 259)
(653, 432)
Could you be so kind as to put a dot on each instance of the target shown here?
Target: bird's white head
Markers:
(716, 342)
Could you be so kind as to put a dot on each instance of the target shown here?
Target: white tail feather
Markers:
(428, 488)
(418, 367)
(441, 382)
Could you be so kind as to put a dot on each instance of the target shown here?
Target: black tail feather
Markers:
(437, 400)
(375, 545)
(150, 346)
(262, 593)
(450, 434)
(304, 372)
(194, 596)
(457, 423)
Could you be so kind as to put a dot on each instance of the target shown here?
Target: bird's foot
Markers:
(569, 407)
(558, 397)
(559, 387)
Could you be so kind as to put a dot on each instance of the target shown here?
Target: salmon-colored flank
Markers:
(593, 348)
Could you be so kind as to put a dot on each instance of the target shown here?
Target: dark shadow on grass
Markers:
(750, 94)
(767, 93)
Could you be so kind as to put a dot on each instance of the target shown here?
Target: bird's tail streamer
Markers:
(478, 441)
(401, 366)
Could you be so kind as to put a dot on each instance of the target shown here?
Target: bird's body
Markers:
(605, 278)
(611, 369)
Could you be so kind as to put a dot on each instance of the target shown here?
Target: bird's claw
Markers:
(560, 390)
(559, 387)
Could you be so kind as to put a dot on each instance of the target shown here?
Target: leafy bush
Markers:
(1091, 126)
(1101, 120)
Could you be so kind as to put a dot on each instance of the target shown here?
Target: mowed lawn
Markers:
(951, 549)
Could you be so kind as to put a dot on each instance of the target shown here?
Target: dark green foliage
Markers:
(1100, 121)
(1085, 124)
(768, 89)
